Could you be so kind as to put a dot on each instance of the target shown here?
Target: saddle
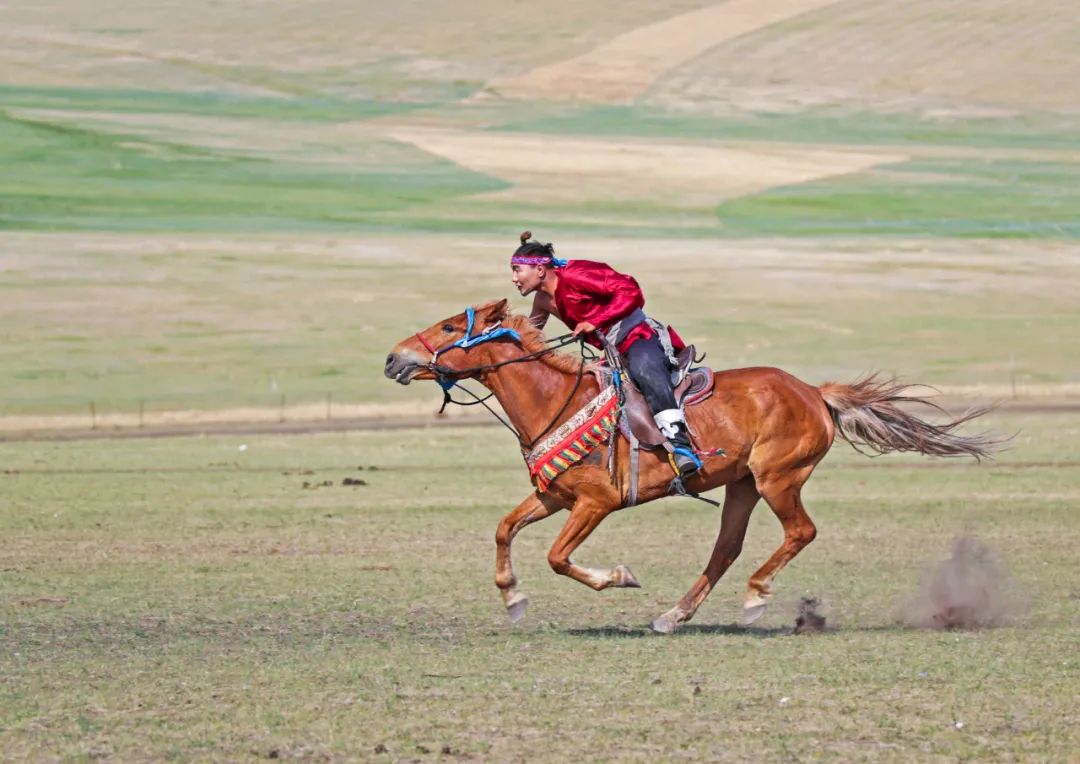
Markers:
(596, 423)
(636, 422)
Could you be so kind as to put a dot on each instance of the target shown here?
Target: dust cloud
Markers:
(972, 589)
(810, 619)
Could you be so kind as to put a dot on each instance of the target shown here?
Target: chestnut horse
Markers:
(772, 427)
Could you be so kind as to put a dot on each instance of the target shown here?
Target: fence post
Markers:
(329, 400)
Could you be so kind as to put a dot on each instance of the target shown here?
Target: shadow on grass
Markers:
(732, 629)
(608, 632)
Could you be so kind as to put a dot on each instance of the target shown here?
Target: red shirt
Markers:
(597, 293)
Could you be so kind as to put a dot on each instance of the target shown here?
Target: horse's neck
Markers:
(536, 396)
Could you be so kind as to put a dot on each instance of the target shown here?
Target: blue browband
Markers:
(493, 332)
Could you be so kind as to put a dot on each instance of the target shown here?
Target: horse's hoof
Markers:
(516, 607)
(753, 609)
(665, 624)
(622, 576)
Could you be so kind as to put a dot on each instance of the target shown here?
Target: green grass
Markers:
(208, 103)
(55, 177)
(839, 125)
(952, 196)
(60, 172)
(945, 198)
(184, 599)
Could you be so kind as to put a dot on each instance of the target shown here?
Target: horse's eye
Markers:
(448, 328)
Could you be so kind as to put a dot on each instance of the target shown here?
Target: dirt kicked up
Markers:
(972, 589)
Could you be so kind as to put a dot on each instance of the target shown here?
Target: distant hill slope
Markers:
(331, 47)
(624, 68)
(753, 54)
(952, 54)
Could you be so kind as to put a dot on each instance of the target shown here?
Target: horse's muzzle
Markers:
(400, 369)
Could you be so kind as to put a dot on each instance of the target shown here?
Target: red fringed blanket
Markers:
(574, 440)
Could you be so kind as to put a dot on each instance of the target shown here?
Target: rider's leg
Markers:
(648, 367)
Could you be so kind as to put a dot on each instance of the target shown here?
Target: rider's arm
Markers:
(539, 315)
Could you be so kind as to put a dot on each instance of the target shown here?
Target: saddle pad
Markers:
(573, 440)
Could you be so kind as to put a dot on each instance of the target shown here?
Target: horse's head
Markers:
(448, 349)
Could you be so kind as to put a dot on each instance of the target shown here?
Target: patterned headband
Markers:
(531, 259)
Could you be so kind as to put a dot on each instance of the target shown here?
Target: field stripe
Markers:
(552, 168)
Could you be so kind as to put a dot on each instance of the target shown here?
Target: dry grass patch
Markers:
(546, 168)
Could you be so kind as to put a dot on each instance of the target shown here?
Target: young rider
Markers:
(591, 297)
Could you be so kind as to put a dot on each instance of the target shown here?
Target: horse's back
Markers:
(769, 383)
(765, 403)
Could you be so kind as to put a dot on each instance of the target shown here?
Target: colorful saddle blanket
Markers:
(575, 439)
(595, 423)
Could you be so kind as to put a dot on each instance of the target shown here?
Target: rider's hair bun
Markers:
(525, 236)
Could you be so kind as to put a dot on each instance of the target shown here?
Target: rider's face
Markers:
(526, 278)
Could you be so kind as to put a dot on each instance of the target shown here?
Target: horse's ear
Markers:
(498, 311)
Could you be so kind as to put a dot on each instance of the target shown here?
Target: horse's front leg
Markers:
(584, 518)
(529, 511)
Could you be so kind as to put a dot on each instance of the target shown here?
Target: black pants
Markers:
(648, 367)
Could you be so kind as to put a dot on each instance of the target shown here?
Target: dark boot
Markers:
(685, 459)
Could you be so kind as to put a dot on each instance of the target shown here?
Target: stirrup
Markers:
(685, 466)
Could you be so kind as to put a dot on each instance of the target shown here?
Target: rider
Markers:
(592, 297)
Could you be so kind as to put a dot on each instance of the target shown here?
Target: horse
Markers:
(769, 429)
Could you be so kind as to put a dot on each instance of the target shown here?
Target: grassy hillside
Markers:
(115, 118)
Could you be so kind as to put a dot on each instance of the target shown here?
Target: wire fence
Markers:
(341, 407)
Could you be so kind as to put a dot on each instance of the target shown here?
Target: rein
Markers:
(450, 378)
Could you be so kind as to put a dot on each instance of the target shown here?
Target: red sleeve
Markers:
(617, 295)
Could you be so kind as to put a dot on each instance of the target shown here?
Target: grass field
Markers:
(232, 211)
(184, 599)
(211, 323)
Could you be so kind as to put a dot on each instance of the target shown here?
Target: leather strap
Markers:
(635, 450)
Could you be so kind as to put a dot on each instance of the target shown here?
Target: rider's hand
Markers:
(583, 328)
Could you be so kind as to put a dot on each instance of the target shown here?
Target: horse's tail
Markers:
(865, 414)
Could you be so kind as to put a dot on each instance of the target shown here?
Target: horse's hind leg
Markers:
(782, 492)
(739, 502)
(527, 512)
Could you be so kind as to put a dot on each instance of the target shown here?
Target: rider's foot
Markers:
(684, 458)
(685, 464)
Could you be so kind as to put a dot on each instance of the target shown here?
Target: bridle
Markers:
(449, 378)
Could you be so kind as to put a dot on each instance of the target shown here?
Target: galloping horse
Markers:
(773, 427)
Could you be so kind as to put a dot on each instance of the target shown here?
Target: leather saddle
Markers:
(637, 420)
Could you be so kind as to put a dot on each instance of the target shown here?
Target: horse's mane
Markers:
(533, 341)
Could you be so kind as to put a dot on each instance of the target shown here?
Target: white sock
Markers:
(666, 421)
